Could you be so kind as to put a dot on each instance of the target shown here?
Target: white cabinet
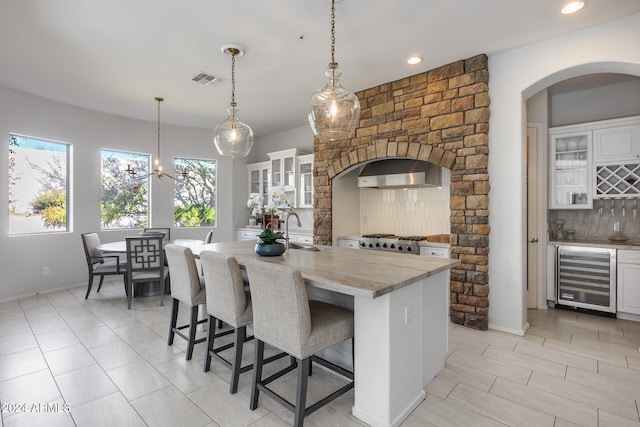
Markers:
(629, 281)
(438, 251)
(348, 243)
(570, 179)
(305, 181)
(617, 144)
(259, 176)
(283, 172)
(301, 238)
(247, 234)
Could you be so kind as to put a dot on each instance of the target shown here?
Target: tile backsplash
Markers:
(412, 211)
(597, 223)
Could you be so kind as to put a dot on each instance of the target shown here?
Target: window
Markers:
(38, 185)
(124, 201)
(195, 196)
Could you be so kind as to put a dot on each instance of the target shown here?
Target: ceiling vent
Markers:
(207, 79)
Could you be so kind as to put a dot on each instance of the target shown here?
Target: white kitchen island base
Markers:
(400, 346)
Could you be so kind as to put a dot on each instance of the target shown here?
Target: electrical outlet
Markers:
(45, 271)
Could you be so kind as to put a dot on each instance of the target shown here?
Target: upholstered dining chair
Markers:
(187, 286)
(166, 231)
(284, 317)
(145, 259)
(100, 264)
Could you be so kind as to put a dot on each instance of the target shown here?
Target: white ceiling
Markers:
(115, 56)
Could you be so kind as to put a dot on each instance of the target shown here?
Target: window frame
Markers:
(68, 182)
(178, 162)
(143, 172)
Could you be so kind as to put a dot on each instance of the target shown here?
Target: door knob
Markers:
(533, 241)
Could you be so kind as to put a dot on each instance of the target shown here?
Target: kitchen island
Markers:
(400, 307)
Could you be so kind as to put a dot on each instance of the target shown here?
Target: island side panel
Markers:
(436, 324)
(390, 350)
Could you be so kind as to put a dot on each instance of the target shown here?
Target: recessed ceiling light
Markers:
(572, 6)
(414, 60)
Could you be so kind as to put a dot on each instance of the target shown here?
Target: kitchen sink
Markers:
(310, 248)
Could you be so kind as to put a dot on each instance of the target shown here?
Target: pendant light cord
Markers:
(333, 31)
(233, 77)
(159, 101)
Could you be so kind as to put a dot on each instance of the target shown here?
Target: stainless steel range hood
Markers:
(400, 173)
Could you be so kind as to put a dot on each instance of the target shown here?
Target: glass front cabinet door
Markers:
(570, 180)
(305, 174)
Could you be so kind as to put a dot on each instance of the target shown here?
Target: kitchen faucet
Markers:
(286, 225)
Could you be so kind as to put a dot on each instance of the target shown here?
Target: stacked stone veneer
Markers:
(442, 117)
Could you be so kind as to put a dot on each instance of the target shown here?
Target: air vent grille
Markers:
(207, 79)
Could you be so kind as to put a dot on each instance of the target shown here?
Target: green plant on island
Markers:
(269, 237)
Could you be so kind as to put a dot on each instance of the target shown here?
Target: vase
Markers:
(270, 250)
(272, 221)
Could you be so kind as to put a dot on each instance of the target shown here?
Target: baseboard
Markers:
(519, 332)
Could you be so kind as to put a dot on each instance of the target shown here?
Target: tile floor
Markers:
(112, 367)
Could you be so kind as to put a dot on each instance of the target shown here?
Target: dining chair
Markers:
(209, 237)
(187, 286)
(100, 264)
(145, 259)
(166, 231)
(284, 317)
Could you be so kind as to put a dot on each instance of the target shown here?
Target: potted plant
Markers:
(270, 243)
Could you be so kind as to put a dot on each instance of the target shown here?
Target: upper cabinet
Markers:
(305, 181)
(290, 169)
(570, 167)
(616, 158)
(594, 160)
(617, 144)
(259, 176)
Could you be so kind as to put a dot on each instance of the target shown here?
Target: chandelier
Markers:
(232, 137)
(334, 112)
(157, 168)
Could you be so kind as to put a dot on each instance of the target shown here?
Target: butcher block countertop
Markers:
(361, 273)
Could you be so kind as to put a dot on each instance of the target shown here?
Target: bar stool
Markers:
(227, 301)
(284, 317)
(187, 286)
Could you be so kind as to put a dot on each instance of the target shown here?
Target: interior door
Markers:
(532, 217)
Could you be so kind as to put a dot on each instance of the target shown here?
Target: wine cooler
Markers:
(586, 277)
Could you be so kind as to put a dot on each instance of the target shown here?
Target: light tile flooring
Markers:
(112, 367)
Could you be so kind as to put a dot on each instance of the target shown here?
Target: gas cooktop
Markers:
(391, 242)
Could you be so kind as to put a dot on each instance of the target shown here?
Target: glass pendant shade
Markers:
(233, 138)
(334, 112)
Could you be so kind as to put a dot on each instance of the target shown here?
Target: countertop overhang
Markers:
(360, 273)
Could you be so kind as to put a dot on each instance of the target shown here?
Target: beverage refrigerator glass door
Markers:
(586, 277)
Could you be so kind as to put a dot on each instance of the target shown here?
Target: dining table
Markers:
(120, 246)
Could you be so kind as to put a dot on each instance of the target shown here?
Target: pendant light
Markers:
(334, 112)
(233, 138)
(157, 167)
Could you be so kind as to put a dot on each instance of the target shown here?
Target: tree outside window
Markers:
(124, 201)
(195, 196)
(38, 190)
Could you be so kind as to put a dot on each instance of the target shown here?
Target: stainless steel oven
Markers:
(586, 277)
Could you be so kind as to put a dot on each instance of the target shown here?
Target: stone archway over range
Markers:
(440, 116)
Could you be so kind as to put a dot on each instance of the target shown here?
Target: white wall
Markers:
(24, 256)
(515, 76)
(600, 103)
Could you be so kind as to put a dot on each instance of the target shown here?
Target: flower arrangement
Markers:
(255, 204)
(278, 205)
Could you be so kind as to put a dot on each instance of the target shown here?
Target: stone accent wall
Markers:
(442, 117)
